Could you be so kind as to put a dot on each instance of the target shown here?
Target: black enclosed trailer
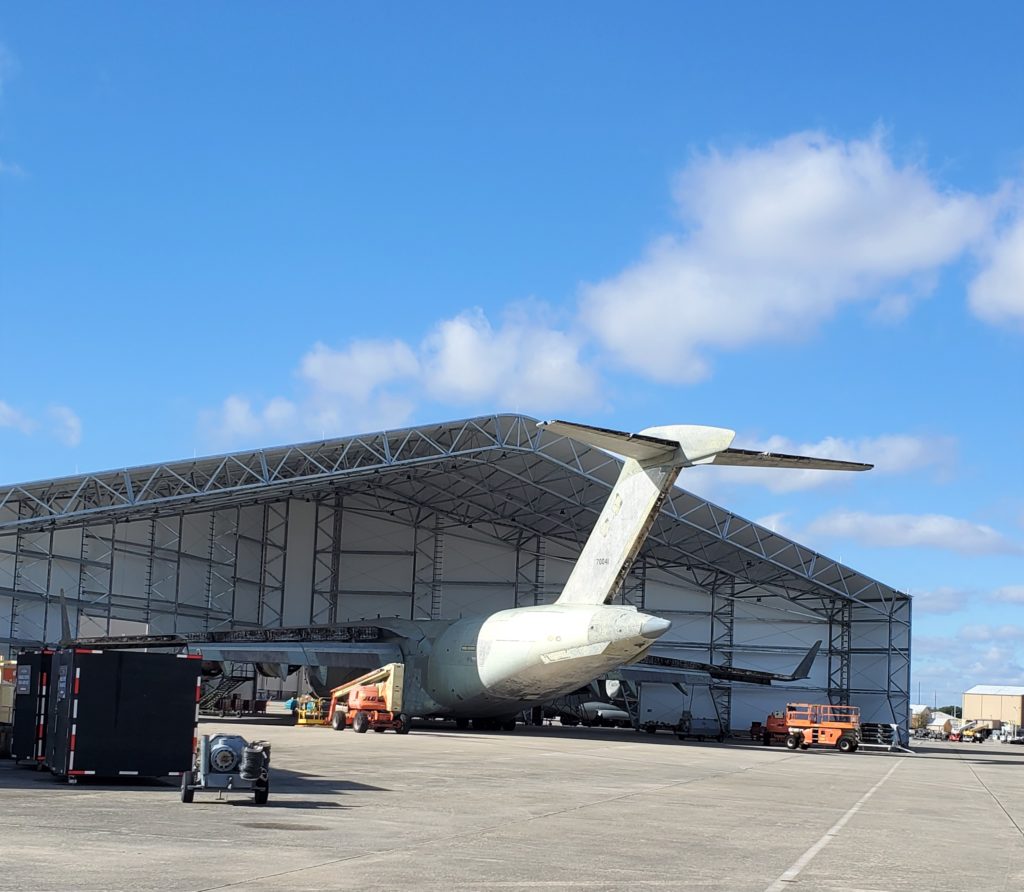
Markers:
(31, 706)
(115, 713)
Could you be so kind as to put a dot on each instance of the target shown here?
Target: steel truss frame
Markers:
(496, 477)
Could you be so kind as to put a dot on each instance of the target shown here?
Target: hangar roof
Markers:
(500, 472)
(997, 690)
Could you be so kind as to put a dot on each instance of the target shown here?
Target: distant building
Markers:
(942, 723)
(1002, 702)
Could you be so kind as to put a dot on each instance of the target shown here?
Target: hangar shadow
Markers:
(282, 780)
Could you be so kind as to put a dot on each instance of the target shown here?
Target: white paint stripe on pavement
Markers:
(794, 871)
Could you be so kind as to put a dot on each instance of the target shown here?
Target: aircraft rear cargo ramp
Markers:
(436, 521)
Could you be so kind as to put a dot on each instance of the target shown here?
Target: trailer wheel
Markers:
(793, 741)
(847, 744)
(338, 720)
(360, 722)
(403, 724)
(187, 793)
(262, 793)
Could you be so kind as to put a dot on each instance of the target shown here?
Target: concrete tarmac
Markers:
(543, 808)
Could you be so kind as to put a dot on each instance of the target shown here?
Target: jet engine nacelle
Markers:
(491, 665)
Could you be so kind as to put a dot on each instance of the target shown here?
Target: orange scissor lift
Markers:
(823, 724)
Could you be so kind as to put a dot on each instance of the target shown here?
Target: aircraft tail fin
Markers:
(653, 460)
(804, 669)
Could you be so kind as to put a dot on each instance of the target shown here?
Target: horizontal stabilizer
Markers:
(748, 458)
(678, 444)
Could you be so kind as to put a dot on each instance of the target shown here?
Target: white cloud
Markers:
(8, 168)
(889, 453)
(15, 418)
(776, 239)
(1009, 594)
(524, 364)
(64, 424)
(357, 372)
(983, 632)
(941, 600)
(909, 530)
(997, 294)
(953, 664)
(67, 426)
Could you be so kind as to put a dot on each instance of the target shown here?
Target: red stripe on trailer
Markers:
(189, 656)
(72, 744)
(85, 650)
(78, 771)
(199, 687)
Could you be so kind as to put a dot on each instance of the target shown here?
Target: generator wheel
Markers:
(793, 741)
(338, 720)
(403, 724)
(360, 722)
(187, 793)
(847, 744)
(261, 794)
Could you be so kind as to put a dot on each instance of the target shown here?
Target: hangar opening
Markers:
(436, 522)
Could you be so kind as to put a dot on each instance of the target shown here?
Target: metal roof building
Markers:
(434, 521)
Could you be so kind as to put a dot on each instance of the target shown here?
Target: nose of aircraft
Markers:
(655, 627)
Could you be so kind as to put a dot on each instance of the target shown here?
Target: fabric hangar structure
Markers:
(431, 522)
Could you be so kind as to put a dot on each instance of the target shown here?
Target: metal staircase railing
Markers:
(226, 685)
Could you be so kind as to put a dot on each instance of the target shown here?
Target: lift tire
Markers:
(403, 724)
(187, 793)
(766, 740)
(508, 724)
(720, 738)
(847, 745)
(261, 794)
(338, 721)
(462, 724)
(360, 722)
(793, 741)
(805, 746)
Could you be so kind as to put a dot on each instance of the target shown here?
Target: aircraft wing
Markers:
(350, 654)
(358, 644)
(670, 670)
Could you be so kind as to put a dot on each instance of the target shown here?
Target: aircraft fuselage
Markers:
(513, 659)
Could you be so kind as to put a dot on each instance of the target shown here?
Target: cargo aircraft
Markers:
(488, 669)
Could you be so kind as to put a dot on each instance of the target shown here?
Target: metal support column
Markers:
(840, 623)
(272, 564)
(326, 560)
(723, 621)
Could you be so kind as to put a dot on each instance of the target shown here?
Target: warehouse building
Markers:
(1002, 702)
(436, 521)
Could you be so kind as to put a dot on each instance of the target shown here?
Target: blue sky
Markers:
(238, 225)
